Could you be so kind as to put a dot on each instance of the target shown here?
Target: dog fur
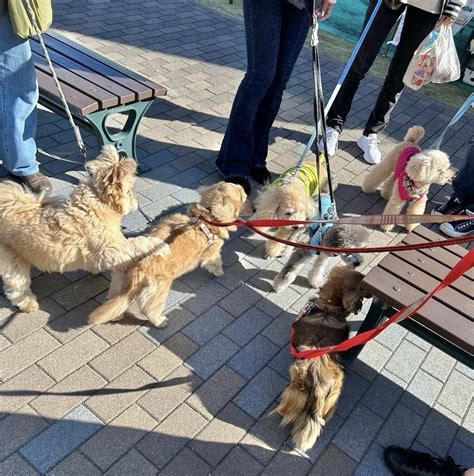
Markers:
(80, 232)
(424, 168)
(338, 236)
(309, 400)
(149, 281)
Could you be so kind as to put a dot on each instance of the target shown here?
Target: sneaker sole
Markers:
(363, 150)
(452, 233)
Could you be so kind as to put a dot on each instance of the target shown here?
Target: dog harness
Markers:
(318, 230)
(307, 174)
(205, 229)
(406, 186)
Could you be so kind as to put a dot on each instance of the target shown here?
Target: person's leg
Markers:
(418, 24)
(294, 30)
(463, 183)
(383, 23)
(262, 29)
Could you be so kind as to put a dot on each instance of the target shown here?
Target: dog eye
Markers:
(288, 214)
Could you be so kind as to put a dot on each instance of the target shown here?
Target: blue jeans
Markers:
(18, 100)
(275, 33)
(463, 183)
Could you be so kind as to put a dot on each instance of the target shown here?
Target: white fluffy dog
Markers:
(406, 174)
(82, 232)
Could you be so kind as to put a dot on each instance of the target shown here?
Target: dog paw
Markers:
(411, 226)
(317, 282)
(29, 305)
(160, 321)
(217, 271)
(386, 227)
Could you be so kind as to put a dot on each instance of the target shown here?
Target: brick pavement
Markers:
(194, 398)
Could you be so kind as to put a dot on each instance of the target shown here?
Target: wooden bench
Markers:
(95, 88)
(446, 321)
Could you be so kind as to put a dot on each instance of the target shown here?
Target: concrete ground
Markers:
(194, 398)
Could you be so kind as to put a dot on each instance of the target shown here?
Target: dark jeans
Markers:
(275, 33)
(463, 183)
(418, 24)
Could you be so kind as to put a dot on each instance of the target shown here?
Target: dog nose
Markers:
(356, 263)
(295, 227)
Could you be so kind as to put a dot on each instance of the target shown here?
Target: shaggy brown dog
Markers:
(413, 180)
(192, 243)
(82, 232)
(310, 399)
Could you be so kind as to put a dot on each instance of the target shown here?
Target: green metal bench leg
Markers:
(377, 314)
(125, 140)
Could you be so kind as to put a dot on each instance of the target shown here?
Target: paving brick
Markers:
(132, 463)
(17, 429)
(239, 462)
(382, 396)
(257, 395)
(171, 435)
(61, 439)
(247, 326)
(68, 393)
(48, 283)
(186, 463)
(75, 464)
(421, 393)
(281, 362)
(15, 465)
(373, 463)
(80, 291)
(68, 358)
(4, 342)
(212, 356)
(462, 454)
(334, 462)
(329, 431)
(437, 433)
(207, 325)
(286, 462)
(392, 337)
(216, 392)
(21, 355)
(221, 434)
(163, 360)
(112, 442)
(122, 355)
(115, 331)
(119, 394)
(457, 393)
(168, 394)
(371, 360)
(353, 389)
(25, 324)
(209, 294)
(237, 302)
(357, 432)
(22, 388)
(253, 357)
(279, 330)
(405, 361)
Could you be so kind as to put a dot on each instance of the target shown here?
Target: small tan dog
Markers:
(192, 242)
(406, 174)
(309, 400)
(82, 232)
(289, 200)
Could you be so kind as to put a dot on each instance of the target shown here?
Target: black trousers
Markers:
(418, 24)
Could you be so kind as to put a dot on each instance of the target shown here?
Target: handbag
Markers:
(447, 67)
(20, 18)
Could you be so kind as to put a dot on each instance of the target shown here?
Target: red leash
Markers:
(462, 266)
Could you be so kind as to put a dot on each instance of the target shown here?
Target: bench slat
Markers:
(80, 104)
(429, 235)
(422, 281)
(103, 97)
(434, 315)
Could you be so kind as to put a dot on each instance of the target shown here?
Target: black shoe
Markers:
(239, 180)
(260, 174)
(404, 462)
(458, 229)
(37, 182)
(452, 207)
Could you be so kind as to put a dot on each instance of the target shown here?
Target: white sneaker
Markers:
(369, 145)
(332, 137)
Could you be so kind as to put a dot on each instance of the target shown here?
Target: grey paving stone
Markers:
(406, 360)
(382, 396)
(253, 357)
(421, 393)
(207, 325)
(61, 439)
(437, 433)
(334, 462)
(457, 393)
(287, 461)
(373, 463)
(353, 389)
(281, 362)
(371, 360)
(80, 291)
(238, 462)
(75, 464)
(15, 465)
(247, 326)
(186, 463)
(132, 463)
(238, 301)
(279, 330)
(209, 294)
(212, 356)
(391, 337)
(329, 431)
(461, 454)
(357, 432)
(257, 395)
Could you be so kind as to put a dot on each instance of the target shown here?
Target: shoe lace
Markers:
(372, 141)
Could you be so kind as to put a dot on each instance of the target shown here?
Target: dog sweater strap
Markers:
(400, 171)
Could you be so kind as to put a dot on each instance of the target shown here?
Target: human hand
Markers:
(324, 11)
(445, 20)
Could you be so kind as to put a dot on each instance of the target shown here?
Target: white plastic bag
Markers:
(420, 69)
(447, 67)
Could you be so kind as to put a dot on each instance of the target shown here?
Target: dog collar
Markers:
(205, 229)
(406, 186)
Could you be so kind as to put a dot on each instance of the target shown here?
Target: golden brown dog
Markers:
(408, 179)
(192, 243)
(309, 401)
(82, 232)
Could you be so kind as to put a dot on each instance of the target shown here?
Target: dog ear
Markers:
(267, 203)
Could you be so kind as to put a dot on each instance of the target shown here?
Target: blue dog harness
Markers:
(318, 230)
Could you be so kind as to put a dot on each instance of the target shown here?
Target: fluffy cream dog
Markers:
(290, 200)
(82, 232)
(406, 174)
(192, 242)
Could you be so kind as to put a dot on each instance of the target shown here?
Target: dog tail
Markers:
(326, 386)
(15, 198)
(414, 134)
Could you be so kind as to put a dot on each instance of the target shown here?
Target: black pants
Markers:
(418, 24)
(463, 183)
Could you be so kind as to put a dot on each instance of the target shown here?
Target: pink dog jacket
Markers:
(406, 186)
